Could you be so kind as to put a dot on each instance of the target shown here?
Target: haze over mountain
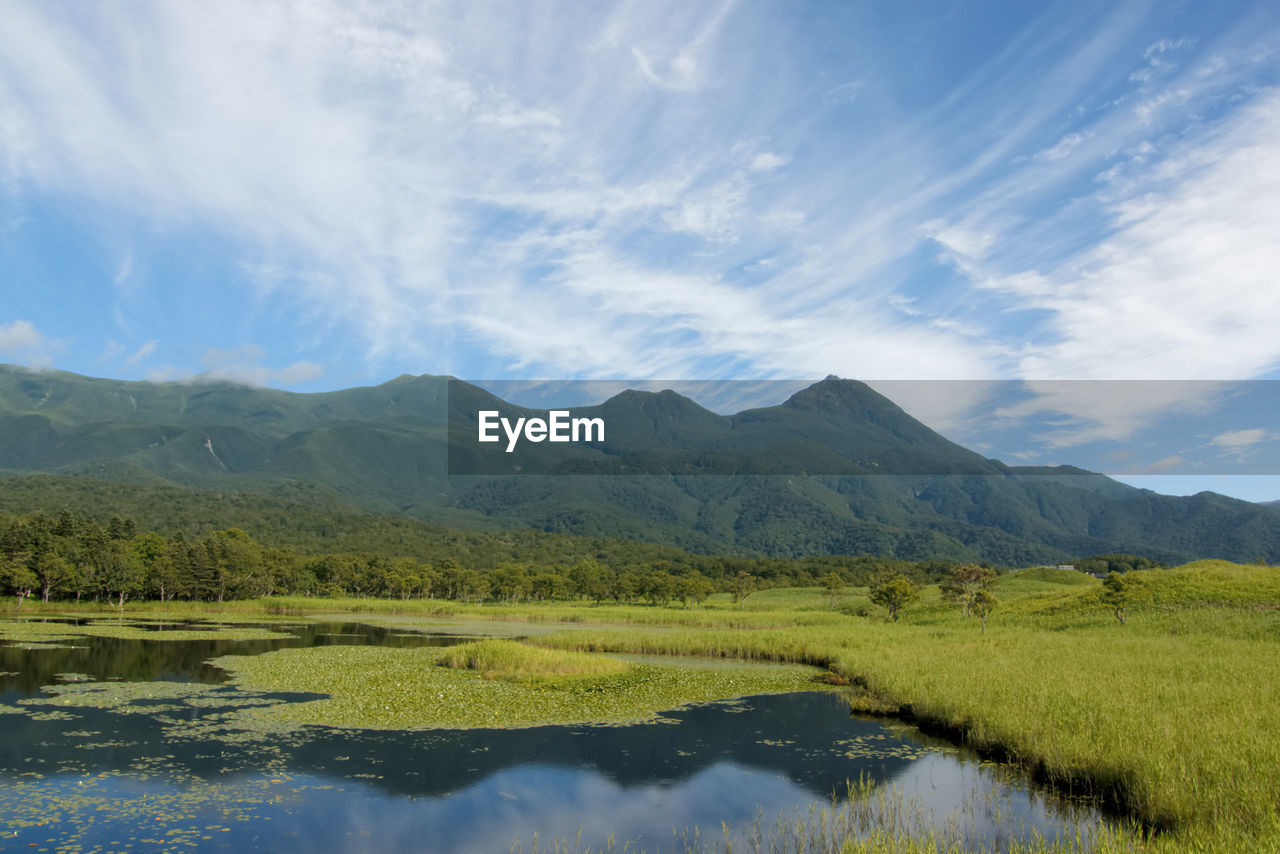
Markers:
(835, 469)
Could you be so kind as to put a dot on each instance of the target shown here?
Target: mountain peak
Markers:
(836, 394)
(666, 399)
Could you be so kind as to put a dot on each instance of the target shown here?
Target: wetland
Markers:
(168, 733)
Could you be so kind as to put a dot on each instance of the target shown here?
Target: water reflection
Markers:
(115, 780)
(28, 669)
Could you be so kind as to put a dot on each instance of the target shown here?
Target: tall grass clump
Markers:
(504, 659)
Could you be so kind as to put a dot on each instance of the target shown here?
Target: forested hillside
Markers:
(835, 469)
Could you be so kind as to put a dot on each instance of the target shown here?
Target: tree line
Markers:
(72, 557)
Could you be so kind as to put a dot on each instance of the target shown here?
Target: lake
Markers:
(164, 771)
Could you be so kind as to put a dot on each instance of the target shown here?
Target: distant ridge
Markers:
(886, 484)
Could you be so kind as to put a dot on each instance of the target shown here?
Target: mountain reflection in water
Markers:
(99, 776)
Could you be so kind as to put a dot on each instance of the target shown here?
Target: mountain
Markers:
(835, 469)
(833, 427)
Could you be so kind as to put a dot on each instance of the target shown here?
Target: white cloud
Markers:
(19, 336)
(143, 352)
(511, 116)
(712, 214)
(566, 197)
(1092, 411)
(1240, 444)
(111, 351)
(124, 271)
(1239, 439)
(22, 342)
(1149, 110)
(845, 93)
(1063, 147)
(241, 365)
(127, 283)
(215, 359)
(948, 406)
(299, 372)
(660, 322)
(1157, 65)
(767, 161)
(1184, 287)
(1163, 466)
(967, 244)
(679, 66)
(1165, 46)
(681, 74)
(1160, 273)
(165, 373)
(360, 162)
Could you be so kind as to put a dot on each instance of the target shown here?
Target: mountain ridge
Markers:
(836, 468)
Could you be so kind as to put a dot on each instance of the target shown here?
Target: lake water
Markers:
(161, 775)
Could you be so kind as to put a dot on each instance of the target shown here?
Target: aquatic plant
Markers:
(504, 659)
(379, 688)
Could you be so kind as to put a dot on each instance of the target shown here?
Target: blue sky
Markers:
(318, 195)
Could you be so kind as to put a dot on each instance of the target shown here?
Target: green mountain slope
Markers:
(862, 477)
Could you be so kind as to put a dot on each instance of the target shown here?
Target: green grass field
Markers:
(1174, 718)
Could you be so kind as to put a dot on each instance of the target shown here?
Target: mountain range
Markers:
(835, 469)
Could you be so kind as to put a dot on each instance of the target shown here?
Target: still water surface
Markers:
(89, 779)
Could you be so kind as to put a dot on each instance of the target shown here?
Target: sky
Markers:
(316, 195)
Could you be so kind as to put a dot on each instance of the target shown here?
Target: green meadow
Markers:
(1172, 718)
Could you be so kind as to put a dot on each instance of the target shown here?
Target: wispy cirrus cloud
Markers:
(143, 353)
(674, 190)
(1179, 288)
(1152, 267)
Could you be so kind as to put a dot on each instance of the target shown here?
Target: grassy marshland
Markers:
(493, 684)
(1173, 718)
(35, 631)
